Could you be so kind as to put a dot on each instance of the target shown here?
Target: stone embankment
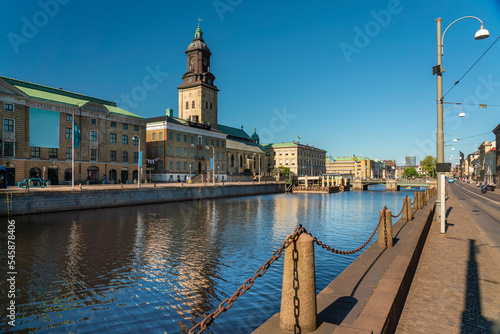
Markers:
(65, 199)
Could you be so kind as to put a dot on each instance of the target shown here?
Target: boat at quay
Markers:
(163, 267)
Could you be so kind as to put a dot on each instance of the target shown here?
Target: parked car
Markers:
(451, 180)
(33, 182)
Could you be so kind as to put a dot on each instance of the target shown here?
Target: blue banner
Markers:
(78, 136)
(212, 163)
(140, 158)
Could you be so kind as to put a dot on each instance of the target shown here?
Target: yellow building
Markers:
(357, 167)
(37, 135)
(301, 159)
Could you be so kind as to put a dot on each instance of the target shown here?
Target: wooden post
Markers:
(298, 295)
(409, 213)
(385, 229)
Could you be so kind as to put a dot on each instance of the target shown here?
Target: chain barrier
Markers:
(207, 321)
(385, 224)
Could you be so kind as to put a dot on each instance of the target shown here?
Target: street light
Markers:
(213, 159)
(480, 34)
(138, 160)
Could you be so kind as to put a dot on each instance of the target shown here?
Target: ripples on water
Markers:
(161, 268)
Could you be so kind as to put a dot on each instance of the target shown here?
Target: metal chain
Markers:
(385, 225)
(207, 321)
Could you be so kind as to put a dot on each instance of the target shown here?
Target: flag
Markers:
(77, 136)
(298, 137)
(332, 159)
(356, 159)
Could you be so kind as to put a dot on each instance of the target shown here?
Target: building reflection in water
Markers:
(153, 268)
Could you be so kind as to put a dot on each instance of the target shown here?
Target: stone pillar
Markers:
(391, 185)
(298, 295)
(385, 226)
(357, 184)
(307, 182)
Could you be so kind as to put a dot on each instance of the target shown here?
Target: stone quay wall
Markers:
(56, 201)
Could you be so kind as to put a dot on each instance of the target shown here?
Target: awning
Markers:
(2, 168)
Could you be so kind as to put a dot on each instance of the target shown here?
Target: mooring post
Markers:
(405, 210)
(409, 214)
(298, 294)
(385, 229)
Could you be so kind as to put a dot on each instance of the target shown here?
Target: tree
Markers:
(410, 172)
(429, 166)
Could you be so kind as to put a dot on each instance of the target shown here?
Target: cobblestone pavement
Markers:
(456, 288)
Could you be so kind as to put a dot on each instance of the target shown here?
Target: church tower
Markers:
(197, 93)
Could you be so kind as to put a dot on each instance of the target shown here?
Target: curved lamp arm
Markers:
(480, 34)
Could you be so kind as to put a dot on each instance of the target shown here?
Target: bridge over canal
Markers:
(391, 184)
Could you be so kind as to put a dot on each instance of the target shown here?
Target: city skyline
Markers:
(348, 78)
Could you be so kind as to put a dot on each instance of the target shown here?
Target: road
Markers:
(483, 209)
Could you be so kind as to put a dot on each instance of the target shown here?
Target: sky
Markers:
(350, 77)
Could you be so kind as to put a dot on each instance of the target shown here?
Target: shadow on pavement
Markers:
(472, 318)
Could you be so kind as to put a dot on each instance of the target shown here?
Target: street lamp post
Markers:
(138, 160)
(480, 34)
(213, 164)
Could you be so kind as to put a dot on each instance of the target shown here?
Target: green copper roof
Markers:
(64, 97)
(198, 33)
(234, 132)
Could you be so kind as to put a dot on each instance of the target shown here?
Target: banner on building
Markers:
(44, 128)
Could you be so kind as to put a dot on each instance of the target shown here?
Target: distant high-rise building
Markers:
(411, 161)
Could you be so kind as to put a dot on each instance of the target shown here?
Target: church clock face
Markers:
(192, 60)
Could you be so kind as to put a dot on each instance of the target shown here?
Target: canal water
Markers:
(161, 268)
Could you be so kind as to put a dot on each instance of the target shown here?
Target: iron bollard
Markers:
(298, 295)
(385, 229)
(80, 186)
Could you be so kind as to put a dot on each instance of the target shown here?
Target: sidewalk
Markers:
(456, 288)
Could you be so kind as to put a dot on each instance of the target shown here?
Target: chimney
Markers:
(170, 112)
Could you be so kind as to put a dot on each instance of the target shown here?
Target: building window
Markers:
(93, 154)
(93, 121)
(170, 165)
(8, 125)
(193, 104)
(153, 150)
(112, 156)
(69, 118)
(222, 155)
(178, 165)
(136, 157)
(160, 165)
(8, 107)
(160, 150)
(93, 135)
(171, 150)
(112, 138)
(135, 141)
(124, 156)
(206, 141)
(69, 132)
(192, 139)
(52, 153)
(125, 140)
(171, 135)
(113, 124)
(68, 153)
(187, 105)
(178, 137)
(178, 151)
(185, 152)
(222, 143)
(35, 152)
(206, 104)
(223, 167)
(217, 142)
(160, 135)
(217, 155)
(153, 136)
(192, 152)
(200, 140)
(185, 138)
(136, 127)
(125, 126)
(210, 105)
(212, 142)
(185, 166)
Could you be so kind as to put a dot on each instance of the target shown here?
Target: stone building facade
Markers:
(37, 134)
(301, 159)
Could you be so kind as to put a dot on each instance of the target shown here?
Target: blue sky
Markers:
(348, 77)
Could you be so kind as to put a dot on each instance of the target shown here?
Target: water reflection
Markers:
(160, 268)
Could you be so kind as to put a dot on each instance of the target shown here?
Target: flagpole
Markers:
(73, 156)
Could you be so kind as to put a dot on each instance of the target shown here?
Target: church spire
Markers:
(198, 34)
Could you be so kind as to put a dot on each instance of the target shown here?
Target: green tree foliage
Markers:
(282, 171)
(410, 172)
(429, 166)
